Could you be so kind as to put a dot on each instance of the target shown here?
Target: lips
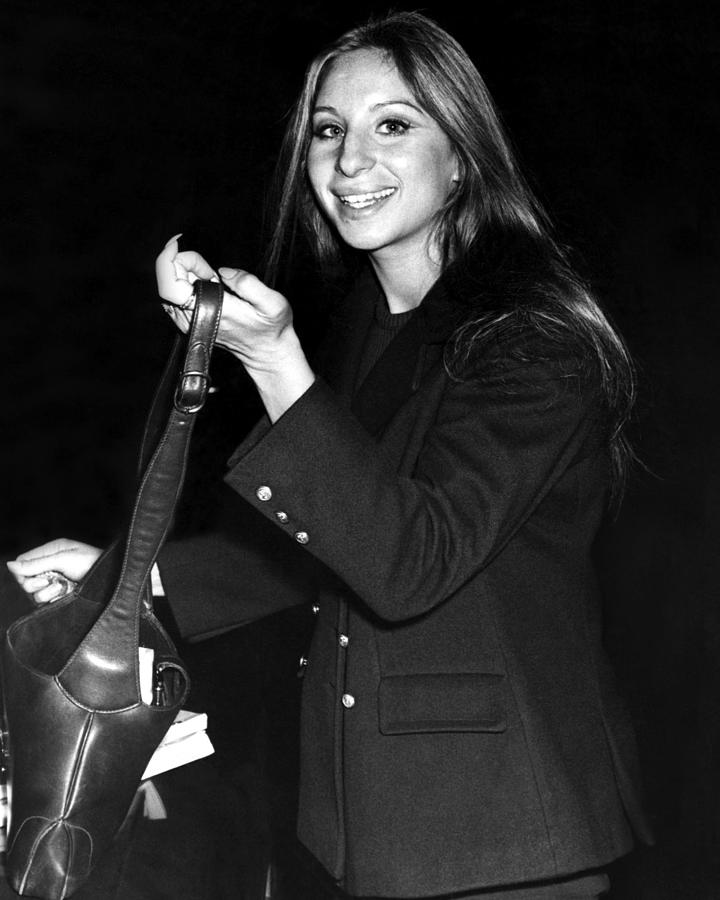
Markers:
(363, 201)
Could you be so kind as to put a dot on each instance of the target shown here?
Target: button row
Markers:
(347, 700)
(264, 493)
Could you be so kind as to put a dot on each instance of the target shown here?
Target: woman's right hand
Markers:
(37, 570)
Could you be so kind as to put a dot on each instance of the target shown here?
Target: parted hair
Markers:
(491, 221)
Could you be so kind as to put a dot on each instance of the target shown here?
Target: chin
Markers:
(366, 241)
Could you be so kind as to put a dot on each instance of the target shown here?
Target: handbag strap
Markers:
(110, 647)
(196, 348)
(165, 472)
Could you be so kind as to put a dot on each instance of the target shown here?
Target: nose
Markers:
(355, 155)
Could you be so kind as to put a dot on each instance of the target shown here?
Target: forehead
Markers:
(359, 77)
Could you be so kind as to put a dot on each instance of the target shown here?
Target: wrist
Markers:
(282, 380)
(272, 359)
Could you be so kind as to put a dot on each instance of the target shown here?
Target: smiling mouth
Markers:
(362, 201)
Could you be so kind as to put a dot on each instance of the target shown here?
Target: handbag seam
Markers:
(93, 710)
(79, 758)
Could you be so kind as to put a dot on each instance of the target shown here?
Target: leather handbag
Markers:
(77, 732)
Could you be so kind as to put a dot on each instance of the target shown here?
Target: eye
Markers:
(327, 130)
(394, 127)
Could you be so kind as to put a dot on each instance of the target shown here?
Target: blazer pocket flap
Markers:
(430, 703)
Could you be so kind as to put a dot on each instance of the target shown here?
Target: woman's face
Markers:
(379, 166)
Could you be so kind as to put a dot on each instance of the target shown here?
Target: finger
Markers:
(27, 568)
(177, 270)
(179, 316)
(57, 545)
(34, 583)
(35, 568)
(163, 262)
(52, 592)
(249, 288)
(173, 284)
(16, 575)
(72, 563)
(173, 287)
(195, 264)
(31, 575)
(46, 587)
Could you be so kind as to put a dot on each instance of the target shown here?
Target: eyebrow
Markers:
(375, 106)
(402, 102)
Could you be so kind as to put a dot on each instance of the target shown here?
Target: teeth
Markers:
(359, 201)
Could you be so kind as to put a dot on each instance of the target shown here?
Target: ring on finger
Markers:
(65, 584)
(189, 303)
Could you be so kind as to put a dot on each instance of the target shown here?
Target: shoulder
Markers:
(521, 345)
(523, 310)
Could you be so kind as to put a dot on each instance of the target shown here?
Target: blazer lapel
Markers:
(416, 350)
(393, 378)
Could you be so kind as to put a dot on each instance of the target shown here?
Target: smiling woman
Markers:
(431, 486)
(380, 168)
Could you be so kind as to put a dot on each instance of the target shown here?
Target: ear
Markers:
(457, 170)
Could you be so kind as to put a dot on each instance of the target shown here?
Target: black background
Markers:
(123, 124)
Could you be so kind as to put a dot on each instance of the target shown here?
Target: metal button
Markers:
(263, 493)
(315, 609)
(344, 640)
(302, 537)
(303, 661)
(281, 516)
(348, 701)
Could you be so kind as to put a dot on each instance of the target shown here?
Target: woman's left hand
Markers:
(256, 324)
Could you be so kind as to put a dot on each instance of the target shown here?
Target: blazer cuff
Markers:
(274, 468)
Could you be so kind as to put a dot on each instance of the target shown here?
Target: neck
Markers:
(405, 278)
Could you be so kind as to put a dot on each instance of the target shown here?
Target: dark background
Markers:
(123, 124)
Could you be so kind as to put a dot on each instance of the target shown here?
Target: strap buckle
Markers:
(192, 391)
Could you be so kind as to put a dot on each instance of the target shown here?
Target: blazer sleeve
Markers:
(501, 440)
(233, 575)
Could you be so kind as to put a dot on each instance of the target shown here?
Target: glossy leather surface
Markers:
(79, 734)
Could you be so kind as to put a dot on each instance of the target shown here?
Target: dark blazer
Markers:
(460, 727)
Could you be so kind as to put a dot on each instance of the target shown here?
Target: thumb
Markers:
(250, 288)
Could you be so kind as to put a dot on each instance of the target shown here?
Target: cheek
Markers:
(318, 166)
(312, 174)
(438, 187)
(431, 172)
(443, 168)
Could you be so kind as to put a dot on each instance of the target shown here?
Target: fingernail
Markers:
(13, 566)
(175, 237)
(227, 273)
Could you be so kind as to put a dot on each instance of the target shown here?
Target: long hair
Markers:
(491, 203)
